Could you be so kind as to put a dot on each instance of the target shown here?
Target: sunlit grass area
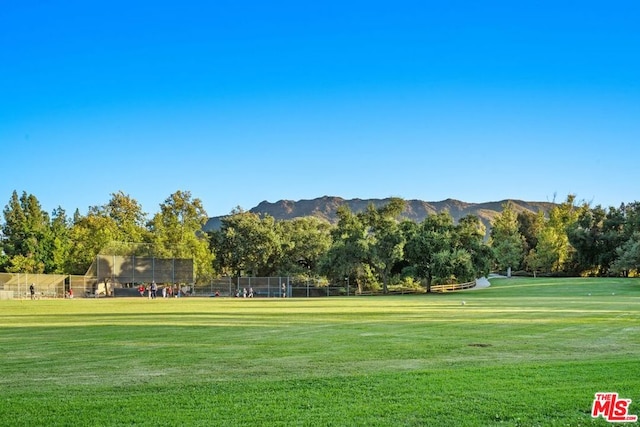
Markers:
(522, 352)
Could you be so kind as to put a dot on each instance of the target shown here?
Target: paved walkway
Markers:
(481, 283)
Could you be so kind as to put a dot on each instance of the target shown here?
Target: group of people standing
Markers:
(151, 291)
(249, 293)
(245, 293)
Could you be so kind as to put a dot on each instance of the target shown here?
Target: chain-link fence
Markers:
(17, 285)
(20, 285)
(87, 286)
(269, 287)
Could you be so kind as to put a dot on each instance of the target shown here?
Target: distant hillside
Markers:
(416, 210)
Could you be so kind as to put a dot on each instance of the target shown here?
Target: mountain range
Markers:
(415, 210)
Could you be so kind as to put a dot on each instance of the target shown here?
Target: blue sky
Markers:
(242, 101)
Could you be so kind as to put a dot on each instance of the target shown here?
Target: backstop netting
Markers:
(115, 272)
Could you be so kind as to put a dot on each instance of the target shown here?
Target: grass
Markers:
(524, 352)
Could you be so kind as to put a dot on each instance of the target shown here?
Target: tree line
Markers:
(373, 250)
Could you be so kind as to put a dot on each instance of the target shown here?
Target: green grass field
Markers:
(524, 352)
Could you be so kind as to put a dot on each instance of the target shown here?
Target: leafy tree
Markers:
(347, 257)
(392, 209)
(628, 256)
(470, 233)
(112, 227)
(404, 269)
(561, 219)
(4, 259)
(620, 238)
(455, 253)
(176, 232)
(60, 241)
(554, 252)
(545, 256)
(529, 225)
(128, 216)
(303, 242)
(26, 233)
(586, 236)
(505, 239)
(453, 264)
(246, 244)
(386, 247)
(613, 236)
(89, 234)
(632, 219)
(428, 249)
(14, 229)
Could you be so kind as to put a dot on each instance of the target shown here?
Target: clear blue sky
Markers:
(243, 101)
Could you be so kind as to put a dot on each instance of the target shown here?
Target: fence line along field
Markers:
(522, 352)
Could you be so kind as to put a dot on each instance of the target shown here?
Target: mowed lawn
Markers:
(524, 352)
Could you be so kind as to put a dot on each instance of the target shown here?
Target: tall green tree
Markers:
(505, 239)
(176, 232)
(386, 247)
(14, 230)
(117, 227)
(246, 244)
(561, 218)
(347, 257)
(470, 233)
(27, 235)
(60, 241)
(429, 248)
(303, 242)
(586, 236)
(447, 252)
(529, 225)
(628, 256)
(632, 219)
(90, 234)
(614, 235)
(128, 226)
(545, 256)
(128, 216)
(554, 252)
(453, 264)
(621, 237)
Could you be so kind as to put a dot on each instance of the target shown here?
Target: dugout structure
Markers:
(127, 271)
(16, 285)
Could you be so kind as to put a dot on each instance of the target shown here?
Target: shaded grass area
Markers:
(523, 352)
